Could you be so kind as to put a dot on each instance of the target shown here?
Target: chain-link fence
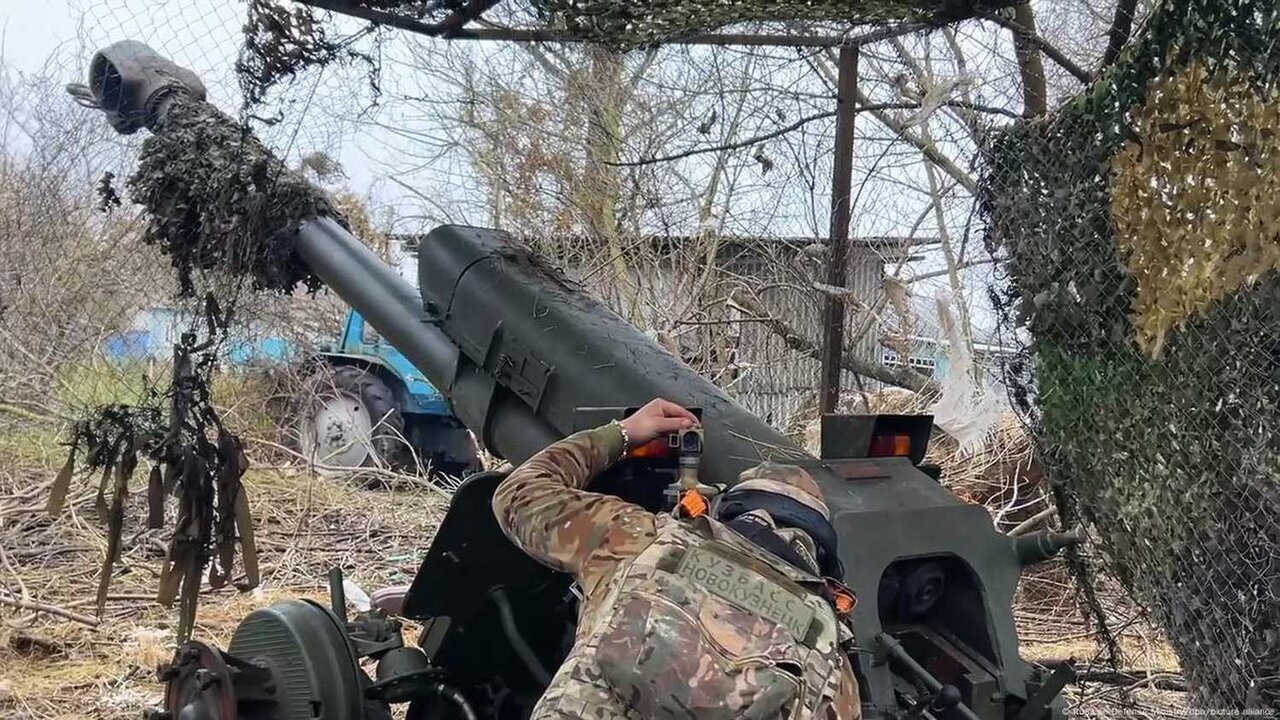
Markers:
(1141, 226)
(92, 311)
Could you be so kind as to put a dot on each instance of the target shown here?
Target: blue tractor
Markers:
(366, 405)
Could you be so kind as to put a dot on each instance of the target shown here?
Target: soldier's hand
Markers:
(656, 418)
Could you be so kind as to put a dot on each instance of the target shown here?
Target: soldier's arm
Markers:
(543, 509)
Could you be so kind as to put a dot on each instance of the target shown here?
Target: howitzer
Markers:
(525, 358)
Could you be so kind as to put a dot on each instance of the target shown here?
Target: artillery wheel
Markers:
(347, 417)
(198, 683)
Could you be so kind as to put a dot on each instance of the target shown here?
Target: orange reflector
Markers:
(844, 599)
(653, 449)
(897, 445)
(693, 505)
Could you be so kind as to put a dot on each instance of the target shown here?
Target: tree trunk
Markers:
(603, 92)
(1035, 101)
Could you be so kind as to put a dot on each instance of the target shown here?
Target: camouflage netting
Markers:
(284, 39)
(193, 457)
(218, 199)
(630, 24)
(1142, 227)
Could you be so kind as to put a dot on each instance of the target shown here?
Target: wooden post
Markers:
(838, 239)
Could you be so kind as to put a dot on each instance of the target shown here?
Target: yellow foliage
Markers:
(356, 211)
(1196, 196)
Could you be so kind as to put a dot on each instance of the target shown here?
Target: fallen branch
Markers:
(1031, 522)
(50, 609)
(17, 576)
(28, 644)
(904, 377)
(1157, 679)
(361, 472)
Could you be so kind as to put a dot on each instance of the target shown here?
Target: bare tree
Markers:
(71, 272)
(592, 156)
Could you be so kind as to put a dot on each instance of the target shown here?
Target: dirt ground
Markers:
(71, 665)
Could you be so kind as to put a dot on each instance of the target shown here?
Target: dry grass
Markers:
(55, 668)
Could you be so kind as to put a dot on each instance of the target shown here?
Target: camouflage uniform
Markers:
(640, 605)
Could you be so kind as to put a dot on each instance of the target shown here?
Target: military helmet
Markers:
(785, 480)
(792, 499)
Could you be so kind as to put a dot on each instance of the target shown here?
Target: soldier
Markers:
(725, 615)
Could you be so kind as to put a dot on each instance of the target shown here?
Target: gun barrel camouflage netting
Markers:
(222, 207)
(1142, 229)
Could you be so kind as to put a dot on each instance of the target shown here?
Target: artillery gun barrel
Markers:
(517, 351)
(537, 336)
(349, 268)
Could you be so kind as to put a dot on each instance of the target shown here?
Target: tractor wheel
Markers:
(347, 417)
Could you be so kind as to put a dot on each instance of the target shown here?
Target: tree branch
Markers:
(46, 608)
(1045, 47)
(1031, 522)
(961, 266)
(1131, 677)
(904, 377)
(731, 146)
(929, 150)
(22, 413)
(872, 108)
(968, 117)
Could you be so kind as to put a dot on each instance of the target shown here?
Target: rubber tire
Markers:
(387, 434)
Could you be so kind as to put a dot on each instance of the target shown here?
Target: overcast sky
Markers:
(32, 28)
